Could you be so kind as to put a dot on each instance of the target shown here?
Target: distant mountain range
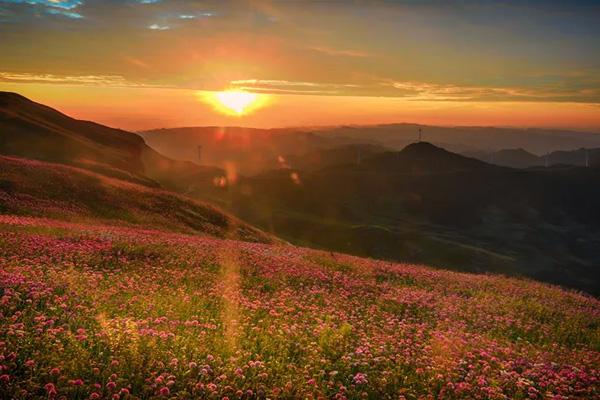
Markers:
(251, 150)
(254, 151)
(462, 139)
(520, 158)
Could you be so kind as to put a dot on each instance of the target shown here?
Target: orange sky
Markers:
(139, 109)
(144, 64)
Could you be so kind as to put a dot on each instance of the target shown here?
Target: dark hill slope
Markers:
(32, 130)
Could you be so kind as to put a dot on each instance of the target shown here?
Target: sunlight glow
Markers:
(235, 102)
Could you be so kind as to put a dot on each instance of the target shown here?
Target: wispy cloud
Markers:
(92, 80)
(62, 8)
(340, 52)
(157, 27)
(64, 4)
(290, 87)
(559, 91)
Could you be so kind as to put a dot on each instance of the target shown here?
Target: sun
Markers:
(235, 102)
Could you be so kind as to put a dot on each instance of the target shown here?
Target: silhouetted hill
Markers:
(514, 158)
(577, 157)
(469, 138)
(32, 130)
(422, 157)
(519, 158)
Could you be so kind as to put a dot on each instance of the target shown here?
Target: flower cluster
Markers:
(104, 312)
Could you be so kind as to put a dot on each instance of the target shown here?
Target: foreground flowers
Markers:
(92, 311)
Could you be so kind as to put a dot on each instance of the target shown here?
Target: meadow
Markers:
(93, 310)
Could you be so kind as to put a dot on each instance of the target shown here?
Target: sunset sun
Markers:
(236, 102)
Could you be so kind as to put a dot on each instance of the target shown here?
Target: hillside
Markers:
(427, 205)
(41, 189)
(91, 311)
(32, 130)
(513, 158)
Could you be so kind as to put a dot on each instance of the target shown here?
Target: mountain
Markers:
(32, 130)
(463, 139)
(249, 151)
(519, 158)
(422, 157)
(253, 151)
(579, 157)
(514, 158)
(427, 205)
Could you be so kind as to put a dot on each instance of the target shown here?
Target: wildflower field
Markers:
(98, 311)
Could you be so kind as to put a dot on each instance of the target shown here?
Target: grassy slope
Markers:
(90, 311)
(38, 188)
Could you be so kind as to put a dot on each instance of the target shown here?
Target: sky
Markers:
(142, 64)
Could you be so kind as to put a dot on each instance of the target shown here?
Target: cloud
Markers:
(62, 8)
(290, 87)
(564, 90)
(586, 90)
(64, 13)
(340, 52)
(89, 80)
(157, 27)
(64, 4)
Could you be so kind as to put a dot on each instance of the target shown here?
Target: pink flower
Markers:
(4, 378)
(50, 388)
(94, 396)
(77, 382)
(164, 391)
(360, 378)
(111, 386)
(55, 371)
